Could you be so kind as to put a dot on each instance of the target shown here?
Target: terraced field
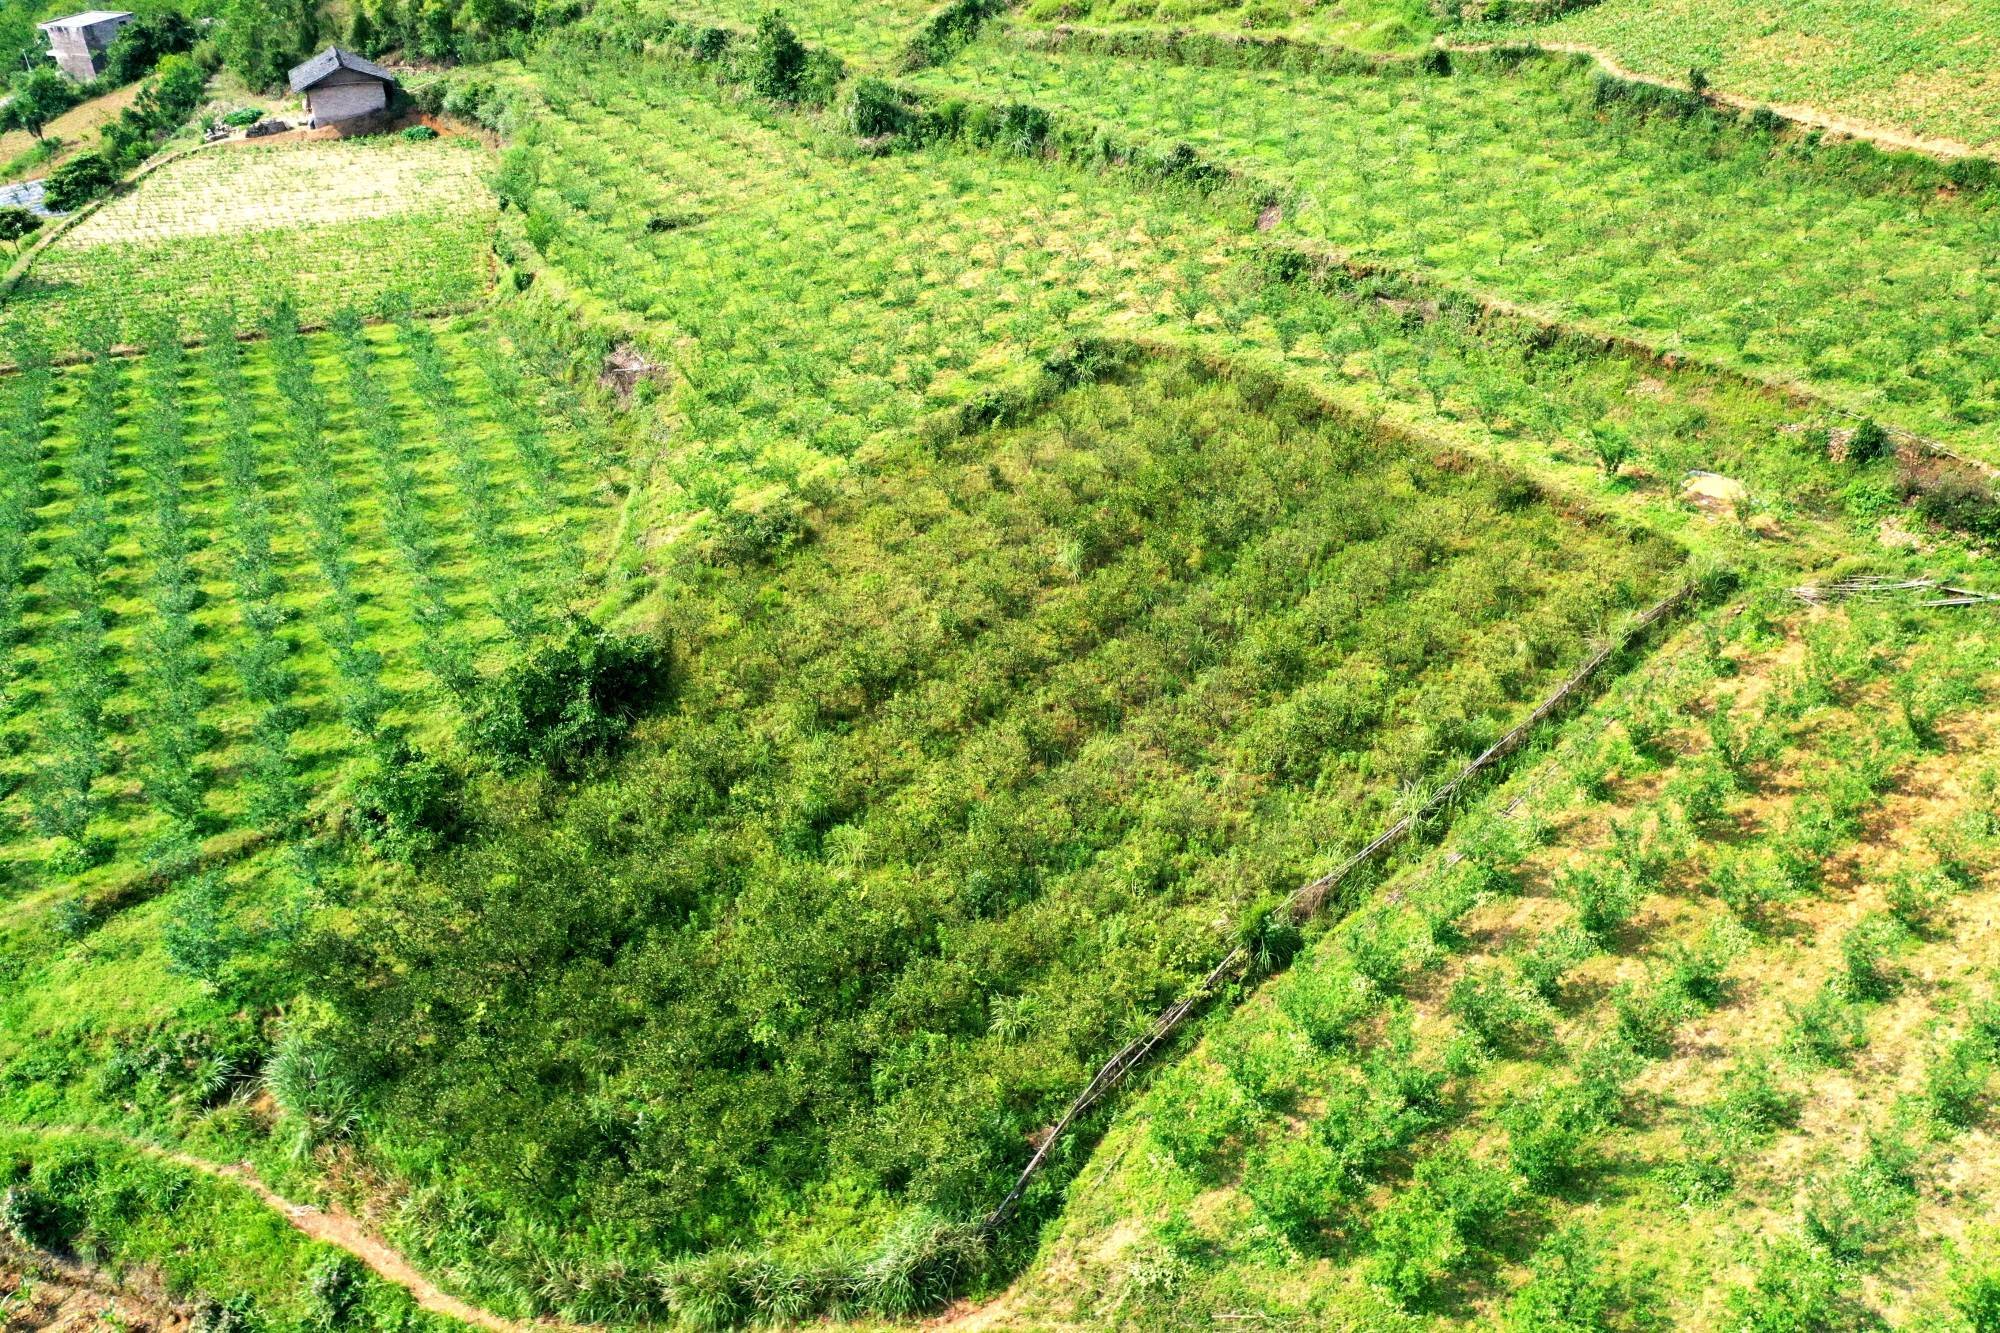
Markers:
(1102, 550)
(325, 225)
(1695, 1020)
(906, 289)
(256, 187)
(1698, 241)
(867, 32)
(229, 568)
(946, 274)
(655, 794)
(1360, 25)
(1929, 70)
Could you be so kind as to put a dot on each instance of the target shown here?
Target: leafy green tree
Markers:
(1978, 1298)
(1869, 442)
(361, 34)
(401, 802)
(202, 937)
(16, 225)
(262, 39)
(778, 67)
(141, 43)
(39, 96)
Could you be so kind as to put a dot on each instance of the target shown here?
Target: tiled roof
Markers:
(305, 75)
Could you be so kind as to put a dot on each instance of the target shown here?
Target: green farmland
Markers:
(1697, 239)
(233, 567)
(608, 716)
(230, 225)
(1925, 70)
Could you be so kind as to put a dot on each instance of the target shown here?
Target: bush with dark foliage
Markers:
(78, 181)
(571, 700)
(401, 802)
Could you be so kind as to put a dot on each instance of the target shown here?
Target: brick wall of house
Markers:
(331, 101)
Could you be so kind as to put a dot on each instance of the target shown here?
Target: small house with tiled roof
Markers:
(339, 85)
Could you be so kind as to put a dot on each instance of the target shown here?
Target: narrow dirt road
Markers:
(346, 1233)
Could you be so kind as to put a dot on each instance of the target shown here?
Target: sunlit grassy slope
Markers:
(1361, 25)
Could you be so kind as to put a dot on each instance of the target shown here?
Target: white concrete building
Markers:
(79, 41)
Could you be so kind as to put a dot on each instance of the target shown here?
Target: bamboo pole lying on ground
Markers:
(1879, 586)
(1306, 901)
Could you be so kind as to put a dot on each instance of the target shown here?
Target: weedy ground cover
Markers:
(1010, 731)
(1649, 1035)
(1692, 237)
(1361, 25)
(1931, 69)
(234, 563)
(324, 224)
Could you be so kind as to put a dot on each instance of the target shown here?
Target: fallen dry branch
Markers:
(1879, 587)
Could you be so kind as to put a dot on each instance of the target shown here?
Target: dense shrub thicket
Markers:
(952, 792)
(262, 39)
(440, 30)
(571, 700)
(145, 41)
